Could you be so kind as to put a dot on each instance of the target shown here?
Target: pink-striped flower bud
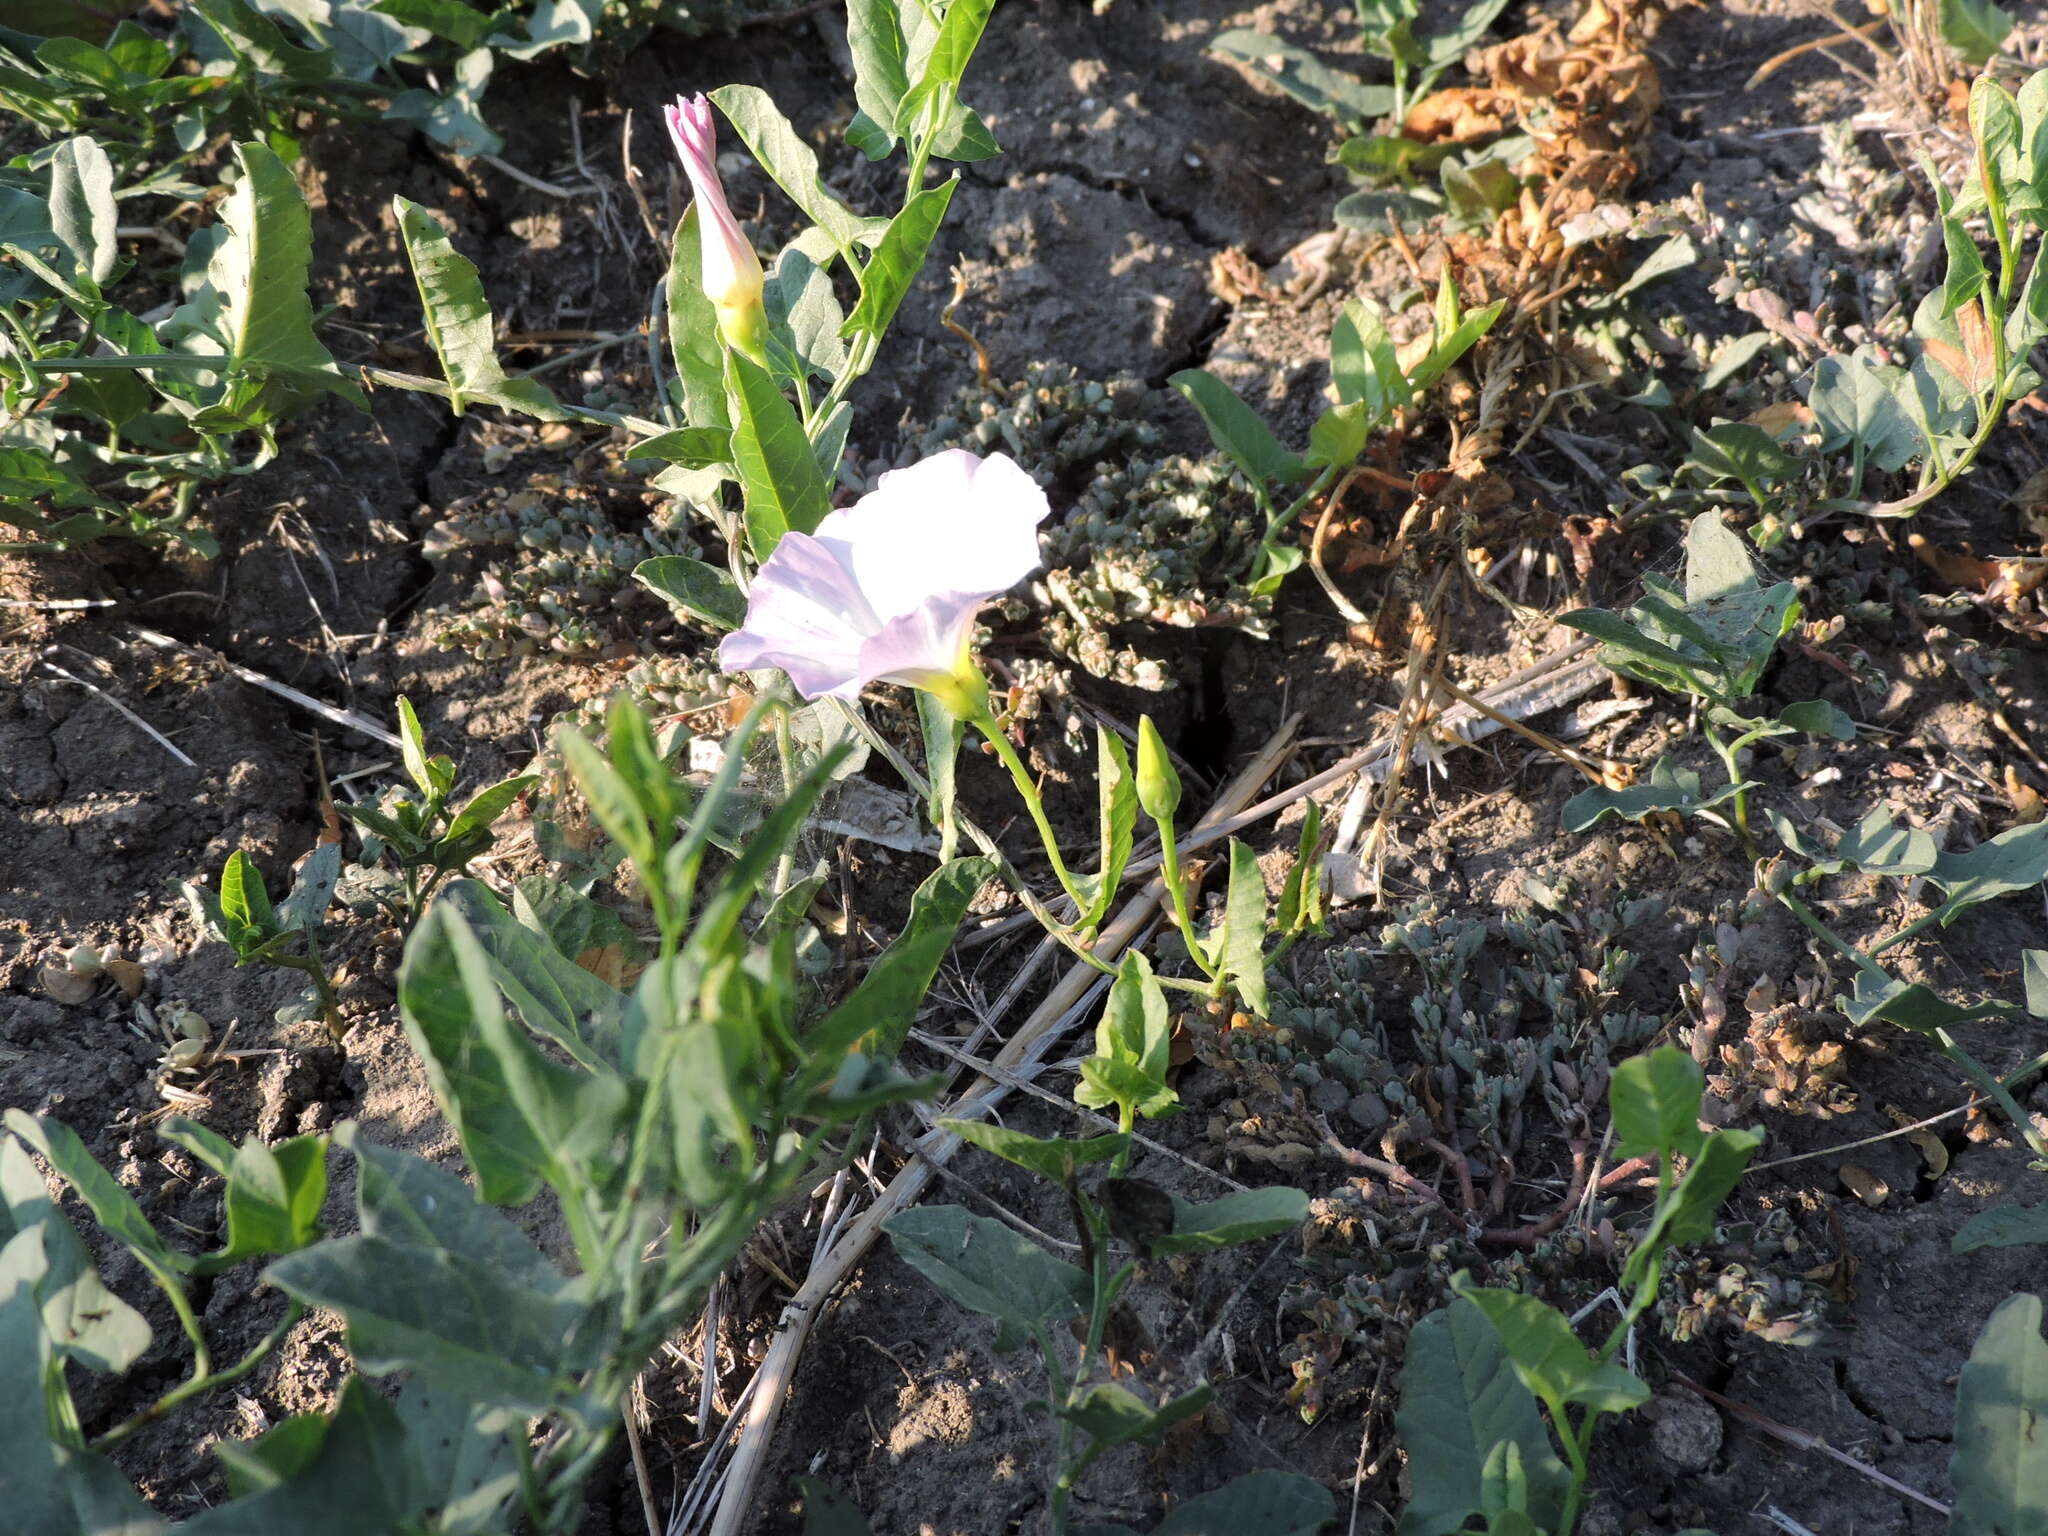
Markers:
(731, 272)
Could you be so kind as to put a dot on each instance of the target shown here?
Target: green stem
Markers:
(1020, 775)
(1726, 752)
(1977, 1073)
(1574, 1441)
(1924, 921)
(1833, 940)
(1278, 525)
(203, 1381)
(1177, 893)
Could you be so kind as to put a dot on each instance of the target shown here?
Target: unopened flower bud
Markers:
(730, 272)
(1158, 784)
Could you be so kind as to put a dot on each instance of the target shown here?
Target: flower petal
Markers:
(731, 272)
(923, 645)
(951, 524)
(807, 616)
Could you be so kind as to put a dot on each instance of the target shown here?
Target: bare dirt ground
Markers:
(1132, 162)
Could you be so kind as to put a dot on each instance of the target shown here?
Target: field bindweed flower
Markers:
(886, 590)
(731, 273)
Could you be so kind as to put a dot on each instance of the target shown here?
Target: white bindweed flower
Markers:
(731, 272)
(886, 590)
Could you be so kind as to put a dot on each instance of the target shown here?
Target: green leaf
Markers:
(1881, 999)
(1975, 29)
(84, 1320)
(881, 1008)
(1111, 1415)
(1117, 792)
(900, 254)
(273, 1194)
(1453, 343)
(1460, 1398)
(2003, 1226)
(693, 336)
(312, 891)
(468, 1465)
(412, 747)
(1237, 430)
(804, 314)
(2015, 860)
(687, 448)
(1816, 717)
(459, 324)
(37, 1499)
(243, 900)
(449, 1314)
(2000, 1465)
(1548, 1356)
(1242, 1217)
(325, 1476)
(942, 732)
(1878, 846)
(1856, 403)
(826, 1511)
(251, 310)
(549, 991)
(469, 832)
(790, 161)
(1339, 436)
(781, 482)
(987, 1268)
(1054, 1158)
(111, 1205)
(1387, 156)
(1132, 1044)
(1375, 212)
(1655, 1100)
(1670, 788)
(1735, 450)
(881, 65)
(1688, 1216)
(614, 805)
(1242, 954)
(445, 994)
(1305, 77)
(946, 62)
(694, 589)
(2034, 968)
(1267, 1503)
(82, 214)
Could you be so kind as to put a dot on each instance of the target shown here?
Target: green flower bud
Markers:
(1158, 784)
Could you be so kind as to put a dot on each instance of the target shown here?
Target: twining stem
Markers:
(1034, 802)
(203, 1381)
(1279, 524)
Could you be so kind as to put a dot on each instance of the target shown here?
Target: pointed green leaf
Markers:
(899, 256)
(1242, 1217)
(2000, 1466)
(1549, 1358)
(1460, 1398)
(459, 323)
(790, 161)
(783, 487)
(1237, 430)
(2003, 1226)
(1055, 1158)
(986, 1267)
(1242, 953)
(1655, 1100)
